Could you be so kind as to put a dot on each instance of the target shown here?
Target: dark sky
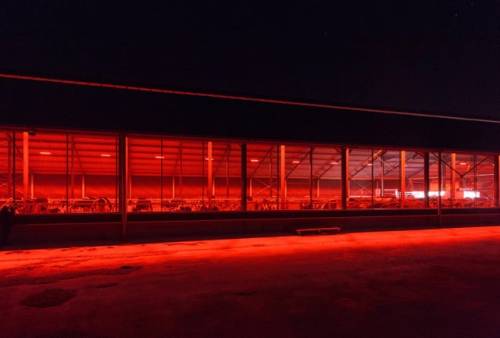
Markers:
(437, 56)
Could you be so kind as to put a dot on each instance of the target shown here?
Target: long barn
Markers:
(86, 161)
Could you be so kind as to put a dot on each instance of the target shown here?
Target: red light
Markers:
(295, 161)
(334, 162)
(254, 160)
(463, 163)
(159, 157)
(45, 153)
(105, 155)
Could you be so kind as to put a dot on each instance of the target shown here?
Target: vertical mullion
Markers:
(496, 176)
(440, 185)
(123, 177)
(426, 178)
(26, 177)
(117, 175)
(161, 173)
(402, 177)
(14, 167)
(282, 176)
(244, 179)
(203, 173)
(475, 180)
(210, 177)
(345, 175)
(311, 183)
(67, 173)
(372, 180)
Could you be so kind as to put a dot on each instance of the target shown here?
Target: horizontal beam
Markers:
(239, 98)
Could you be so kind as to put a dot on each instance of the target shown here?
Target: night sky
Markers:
(436, 56)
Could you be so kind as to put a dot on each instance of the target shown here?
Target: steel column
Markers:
(162, 157)
(123, 176)
(345, 175)
(244, 178)
(382, 173)
(373, 179)
(282, 174)
(402, 176)
(83, 186)
(497, 180)
(311, 182)
(68, 183)
(173, 187)
(26, 159)
(32, 186)
(453, 174)
(210, 174)
(10, 159)
(14, 197)
(440, 186)
(475, 180)
(426, 178)
(72, 170)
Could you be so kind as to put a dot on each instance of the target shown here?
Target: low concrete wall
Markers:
(54, 234)
(71, 233)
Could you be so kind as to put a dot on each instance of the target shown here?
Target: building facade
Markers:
(209, 166)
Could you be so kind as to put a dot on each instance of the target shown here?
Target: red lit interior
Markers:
(61, 172)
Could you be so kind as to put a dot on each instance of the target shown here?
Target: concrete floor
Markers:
(419, 283)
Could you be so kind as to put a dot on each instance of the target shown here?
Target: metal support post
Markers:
(244, 178)
(210, 177)
(497, 180)
(440, 186)
(402, 176)
(282, 174)
(453, 175)
(123, 174)
(426, 178)
(345, 176)
(26, 172)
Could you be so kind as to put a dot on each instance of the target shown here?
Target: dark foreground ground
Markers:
(423, 283)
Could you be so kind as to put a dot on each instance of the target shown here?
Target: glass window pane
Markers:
(414, 180)
(172, 175)
(360, 178)
(44, 184)
(386, 178)
(187, 161)
(465, 177)
(262, 171)
(455, 179)
(227, 176)
(145, 161)
(434, 189)
(327, 181)
(93, 185)
(298, 177)
(485, 181)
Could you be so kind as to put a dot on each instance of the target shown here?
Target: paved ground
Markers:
(425, 283)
